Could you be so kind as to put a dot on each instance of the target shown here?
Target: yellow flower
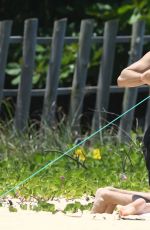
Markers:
(96, 154)
(80, 154)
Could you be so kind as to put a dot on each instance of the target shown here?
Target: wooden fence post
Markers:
(147, 115)
(105, 73)
(80, 74)
(5, 32)
(49, 106)
(130, 94)
(25, 86)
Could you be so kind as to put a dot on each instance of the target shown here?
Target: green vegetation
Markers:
(81, 172)
(13, 69)
(94, 164)
(90, 166)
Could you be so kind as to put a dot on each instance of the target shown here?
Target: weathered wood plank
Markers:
(105, 73)
(147, 115)
(5, 31)
(25, 86)
(50, 96)
(130, 95)
(80, 74)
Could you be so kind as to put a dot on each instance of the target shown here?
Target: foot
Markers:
(126, 210)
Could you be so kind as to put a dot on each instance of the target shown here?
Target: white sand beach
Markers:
(23, 220)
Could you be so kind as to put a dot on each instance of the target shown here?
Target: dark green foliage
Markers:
(47, 11)
(76, 206)
(44, 206)
(12, 209)
(23, 206)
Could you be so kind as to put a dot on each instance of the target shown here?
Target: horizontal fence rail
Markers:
(67, 91)
(69, 40)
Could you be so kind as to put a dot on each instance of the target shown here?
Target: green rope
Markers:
(71, 149)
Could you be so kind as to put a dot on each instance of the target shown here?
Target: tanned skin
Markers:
(108, 198)
(136, 74)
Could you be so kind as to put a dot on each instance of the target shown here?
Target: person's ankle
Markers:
(126, 210)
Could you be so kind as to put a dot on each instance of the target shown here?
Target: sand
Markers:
(28, 219)
(24, 219)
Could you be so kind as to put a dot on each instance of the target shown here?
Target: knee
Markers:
(139, 201)
(102, 193)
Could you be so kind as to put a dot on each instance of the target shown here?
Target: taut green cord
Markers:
(71, 149)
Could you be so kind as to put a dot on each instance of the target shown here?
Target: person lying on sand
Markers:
(127, 202)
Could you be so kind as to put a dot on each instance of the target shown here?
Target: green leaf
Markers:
(13, 72)
(134, 18)
(125, 8)
(38, 158)
(44, 206)
(13, 69)
(23, 206)
(13, 65)
(12, 209)
(35, 78)
(16, 80)
(40, 49)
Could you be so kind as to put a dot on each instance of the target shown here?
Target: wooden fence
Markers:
(78, 90)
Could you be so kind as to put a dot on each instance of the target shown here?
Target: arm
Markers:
(129, 78)
(136, 74)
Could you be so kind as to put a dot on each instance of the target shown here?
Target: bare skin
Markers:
(138, 206)
(106, 200)
(136, 74)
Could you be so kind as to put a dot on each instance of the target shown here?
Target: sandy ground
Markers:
(22, 220)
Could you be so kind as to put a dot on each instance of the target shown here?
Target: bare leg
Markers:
(146, 209)
(110, 208)
(134, 208)
(144, 194)
(106, 200)
(100, 204)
